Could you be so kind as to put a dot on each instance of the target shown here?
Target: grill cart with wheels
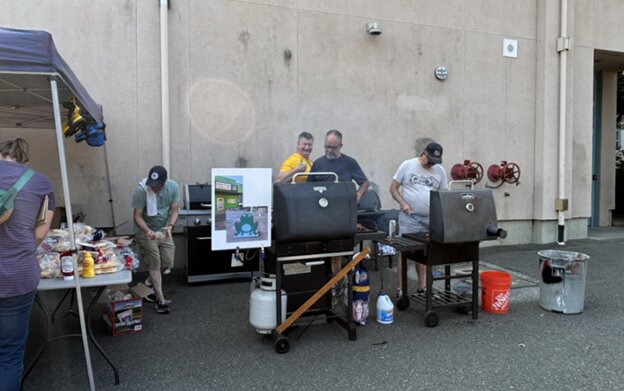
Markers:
(431, 254)
(459, 219)
(313, 222)
(280, 341)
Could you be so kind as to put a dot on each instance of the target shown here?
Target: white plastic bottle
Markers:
(385, 309)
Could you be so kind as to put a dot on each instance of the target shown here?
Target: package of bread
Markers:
(61, 246)
(104, 267)
(82, 229)
(50, 264)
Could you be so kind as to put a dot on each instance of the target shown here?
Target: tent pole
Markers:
(70, 224)
(110, 191)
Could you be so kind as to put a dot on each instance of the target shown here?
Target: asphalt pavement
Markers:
(207, 343)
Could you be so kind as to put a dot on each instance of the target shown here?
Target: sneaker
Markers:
(162, 306)
(167, 270)
(148, 283)
(150, 298)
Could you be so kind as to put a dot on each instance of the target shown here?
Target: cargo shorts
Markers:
(155, 254)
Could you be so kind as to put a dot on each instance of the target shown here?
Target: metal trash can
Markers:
(562, 281)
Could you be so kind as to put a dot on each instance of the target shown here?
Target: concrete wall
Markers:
(247, 76)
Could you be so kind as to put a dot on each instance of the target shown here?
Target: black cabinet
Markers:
(203, 264)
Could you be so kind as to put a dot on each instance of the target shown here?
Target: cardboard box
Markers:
(123, 316)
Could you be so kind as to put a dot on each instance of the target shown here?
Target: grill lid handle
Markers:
(315, 174)
(493, 230)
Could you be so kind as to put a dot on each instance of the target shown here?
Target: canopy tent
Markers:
(26, 101)
(34, 80)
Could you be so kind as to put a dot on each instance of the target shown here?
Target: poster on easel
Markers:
(241, 208)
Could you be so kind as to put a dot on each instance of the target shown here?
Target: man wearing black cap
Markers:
(410, 187)
(155, 203)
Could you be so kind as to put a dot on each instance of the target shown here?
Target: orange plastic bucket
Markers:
(495, 288)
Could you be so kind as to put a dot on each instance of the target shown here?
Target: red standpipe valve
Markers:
(505, 173)
(468, 171)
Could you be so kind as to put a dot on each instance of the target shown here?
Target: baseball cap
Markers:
(157, 176)
(433, 151)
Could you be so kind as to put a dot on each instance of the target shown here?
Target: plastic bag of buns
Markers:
(50, 264)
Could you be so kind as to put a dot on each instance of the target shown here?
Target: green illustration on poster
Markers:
(243, 199)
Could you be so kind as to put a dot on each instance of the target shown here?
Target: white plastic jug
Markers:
(385, 309)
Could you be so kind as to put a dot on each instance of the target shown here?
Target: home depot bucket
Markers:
(495, 288)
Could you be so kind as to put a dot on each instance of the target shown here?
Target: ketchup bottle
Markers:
(67, 266)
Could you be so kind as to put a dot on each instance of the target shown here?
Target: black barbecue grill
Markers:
(203, 264)
(312, 222)
(459, 220)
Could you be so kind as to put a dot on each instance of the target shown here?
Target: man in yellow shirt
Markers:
(299, 161)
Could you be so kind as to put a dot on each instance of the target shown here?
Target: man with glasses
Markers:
(346, 167)
(348, 170)
(299, 161)
(410, 187)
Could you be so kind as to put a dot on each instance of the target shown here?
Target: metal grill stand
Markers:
(431, 254)
(281, 343)
(458, 221)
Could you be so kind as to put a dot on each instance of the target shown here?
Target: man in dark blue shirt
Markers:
(346, 167)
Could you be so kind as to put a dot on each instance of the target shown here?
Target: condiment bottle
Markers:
(88, 266)
(67, 266)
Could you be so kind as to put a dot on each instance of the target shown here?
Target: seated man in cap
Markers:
(155, 203)
(410, 187)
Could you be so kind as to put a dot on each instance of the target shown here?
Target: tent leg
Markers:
(70, 224)
(110, 191)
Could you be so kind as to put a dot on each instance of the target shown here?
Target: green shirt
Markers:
(170, 194)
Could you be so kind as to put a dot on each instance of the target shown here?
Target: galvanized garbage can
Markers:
(562, 281)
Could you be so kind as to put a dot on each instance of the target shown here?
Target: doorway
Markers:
(608, 89)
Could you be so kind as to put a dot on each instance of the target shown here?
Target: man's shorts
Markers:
(156, 254)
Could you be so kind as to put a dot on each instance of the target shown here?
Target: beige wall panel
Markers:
(396, 10)
(239, 99)
(583, 23)
(608, 26)
(102, 54)
(242, 100)
(277, 3)
(511, 18)
(379, 91)
(179, 87)
(443, 13)
(148, 87)
(546, 112)
(581, 84)
(499, 119)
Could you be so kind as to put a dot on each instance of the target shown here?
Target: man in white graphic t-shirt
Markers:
(410, 187)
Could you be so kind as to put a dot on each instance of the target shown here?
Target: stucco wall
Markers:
(247, 76)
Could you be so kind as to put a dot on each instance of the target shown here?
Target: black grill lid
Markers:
(198, 196)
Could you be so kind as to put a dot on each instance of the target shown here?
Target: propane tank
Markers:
(262, 305)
